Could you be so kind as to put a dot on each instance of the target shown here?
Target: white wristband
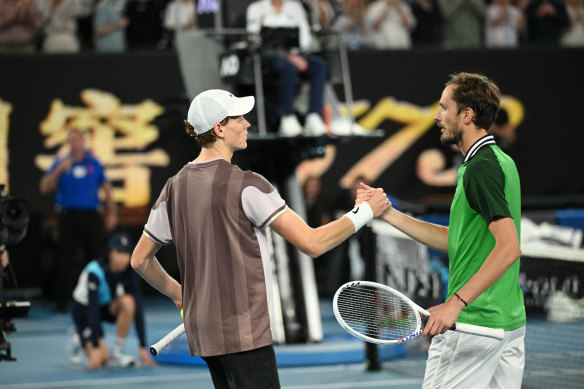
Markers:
(360, 215)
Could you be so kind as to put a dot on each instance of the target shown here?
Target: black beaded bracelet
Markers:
(461, 299)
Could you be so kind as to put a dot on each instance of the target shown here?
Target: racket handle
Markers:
(168, 339)
(495, 333)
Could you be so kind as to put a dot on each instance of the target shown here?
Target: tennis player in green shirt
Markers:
(482, 242)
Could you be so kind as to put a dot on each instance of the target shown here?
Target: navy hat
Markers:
(120, 242)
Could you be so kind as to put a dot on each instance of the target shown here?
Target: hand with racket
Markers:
(379, 314)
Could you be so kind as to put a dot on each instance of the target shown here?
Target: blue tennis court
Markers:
(40, 345)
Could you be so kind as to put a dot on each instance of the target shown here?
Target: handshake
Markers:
(375, 197)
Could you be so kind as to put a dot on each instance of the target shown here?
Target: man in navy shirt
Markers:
(108, 290)
(77, 177)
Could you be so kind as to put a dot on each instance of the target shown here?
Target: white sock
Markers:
(119, 346)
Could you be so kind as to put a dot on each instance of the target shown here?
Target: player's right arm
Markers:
(144, 262)
(316, 241)
(432, 235)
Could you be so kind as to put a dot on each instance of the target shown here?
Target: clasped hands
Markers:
(376, 198)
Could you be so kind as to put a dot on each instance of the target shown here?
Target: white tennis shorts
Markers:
(463, 361)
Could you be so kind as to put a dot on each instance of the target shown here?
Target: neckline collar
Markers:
(479, 144)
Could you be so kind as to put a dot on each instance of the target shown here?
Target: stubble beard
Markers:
(455, 138)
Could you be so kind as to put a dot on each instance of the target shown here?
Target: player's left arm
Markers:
(503, 255)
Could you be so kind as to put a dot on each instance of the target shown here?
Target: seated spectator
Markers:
(18, 21)
(353, 24)
(428, 23)
(180, 15)
(503, 24)
(574, 35)
(326, 14)
(391, 21)
(110, 25)
(289, 65)
(60, 31)
(462, 27)
(144, 30)
(546, 19)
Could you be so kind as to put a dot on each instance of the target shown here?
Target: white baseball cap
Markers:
(214, 105)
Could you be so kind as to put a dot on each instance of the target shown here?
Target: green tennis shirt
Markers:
(488, 189)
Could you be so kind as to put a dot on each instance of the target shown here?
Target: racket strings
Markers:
(376, 313)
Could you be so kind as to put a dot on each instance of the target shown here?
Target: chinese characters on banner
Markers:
(118, 136)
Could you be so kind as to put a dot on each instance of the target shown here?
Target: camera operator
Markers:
(14, 219)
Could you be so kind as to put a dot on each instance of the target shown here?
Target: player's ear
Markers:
(468, 115)
(218, 128)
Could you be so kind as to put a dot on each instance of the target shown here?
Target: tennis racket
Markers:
(168, 339)
(379, 314)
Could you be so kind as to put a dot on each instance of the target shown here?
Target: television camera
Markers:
(14, 219)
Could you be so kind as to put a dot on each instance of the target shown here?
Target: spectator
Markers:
(503, 24)
(316, 213)
(180, 15)
(546, 19)
(503, 130)
(326, 14)
(110, 25)
(77, 178)
(391, 21)
(108, 290)
(4, 258)
(19, 20)
(145, 24)
(60, 31)
(353, 24)
(85, 23)
(574, 35)
(462, 27)
(428, 23)
(289, 65)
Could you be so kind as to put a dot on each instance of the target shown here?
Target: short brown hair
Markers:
(477, 92)
(206, 138)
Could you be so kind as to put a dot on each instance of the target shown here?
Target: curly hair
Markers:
(477, 92)
(206, 138)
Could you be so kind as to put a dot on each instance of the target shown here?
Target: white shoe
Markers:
(343, 127)
(120, 360)
(289, 126)
(314, 126)
(74, 350)
(360, 131)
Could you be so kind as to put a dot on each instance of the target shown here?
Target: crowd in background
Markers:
(120, 25)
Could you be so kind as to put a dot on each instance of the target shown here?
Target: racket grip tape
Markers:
(156, 348)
